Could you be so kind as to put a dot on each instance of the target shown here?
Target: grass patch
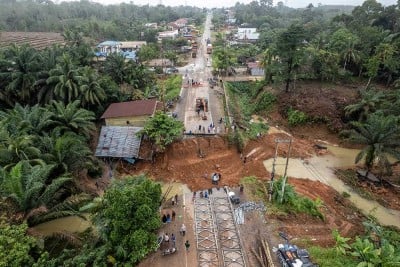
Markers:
(296, 117)
(254, 187)
(173, 87)
(255, 128)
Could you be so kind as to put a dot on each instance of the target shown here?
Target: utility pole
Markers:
(271, 185)
(285, 174)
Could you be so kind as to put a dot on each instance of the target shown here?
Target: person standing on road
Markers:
(183, 229)
(173, 238)
(166, 238)
(187, 245)
(173, 215)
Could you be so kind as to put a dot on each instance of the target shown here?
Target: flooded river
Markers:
(321, 168)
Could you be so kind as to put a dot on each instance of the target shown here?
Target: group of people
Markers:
(211, 129)
(167, 218)
(170, 241)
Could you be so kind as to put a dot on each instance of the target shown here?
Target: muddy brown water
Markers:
(321, 168)
(76, 224)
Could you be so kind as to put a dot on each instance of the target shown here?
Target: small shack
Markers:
(255, 69)
(119, 142)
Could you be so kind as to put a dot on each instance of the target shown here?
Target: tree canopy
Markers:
(162, 130)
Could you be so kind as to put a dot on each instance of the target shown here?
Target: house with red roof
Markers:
(132, 113)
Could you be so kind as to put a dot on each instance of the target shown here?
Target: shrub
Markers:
(296, 117)
(265, 102)
(292, 202)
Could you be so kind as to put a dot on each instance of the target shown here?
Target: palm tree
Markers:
(115, 66)
(370, 101)
(37, 195)
(28, 120)
(30, 187)
(69, 152)
(92, 92)
(44, 89)
(23, 63)
(72, 118)
(14, 148)
(66, 79)
(380, 135)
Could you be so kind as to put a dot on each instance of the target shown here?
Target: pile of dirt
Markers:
(192, 161)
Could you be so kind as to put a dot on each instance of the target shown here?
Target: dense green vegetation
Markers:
(113, 22)
(50, 100)
(16, 248)
(311, 44)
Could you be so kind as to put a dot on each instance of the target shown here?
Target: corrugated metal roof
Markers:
(132, 44)
(118, 142)
(109, 43)
(131, 108)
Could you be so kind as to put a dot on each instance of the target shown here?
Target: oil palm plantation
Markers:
(27, 120)
(72, 118)
(15, 148)
(66, 80)
(20, 67)
(29, 186)
(380, 136)
(45, 91)
(92, 92)
(69, 152)
(36, 194)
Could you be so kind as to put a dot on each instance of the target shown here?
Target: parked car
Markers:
(171, 70)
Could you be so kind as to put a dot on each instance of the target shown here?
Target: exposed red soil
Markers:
(338, 212)
(182, 163)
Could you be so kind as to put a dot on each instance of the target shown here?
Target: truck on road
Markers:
(209, 48)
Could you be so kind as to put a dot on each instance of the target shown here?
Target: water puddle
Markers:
(73, 224)
(76, 224)
(321, 168)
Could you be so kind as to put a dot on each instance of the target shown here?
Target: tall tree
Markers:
(129, 218)
(162, 130)
(290, 45)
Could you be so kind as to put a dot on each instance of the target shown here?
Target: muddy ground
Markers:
(182, 163)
